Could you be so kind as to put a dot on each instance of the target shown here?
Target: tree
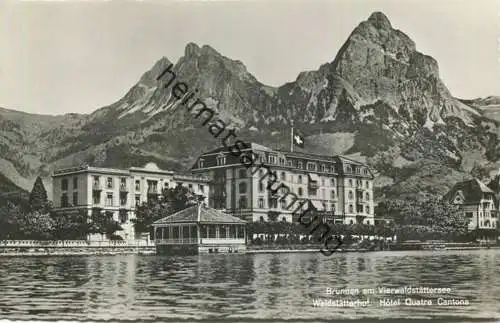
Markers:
(38, 197)
(172, 200)
(36, 225)
(71, 225)
(9, 220)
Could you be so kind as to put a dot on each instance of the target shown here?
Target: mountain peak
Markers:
(379, 20)
(192, 49)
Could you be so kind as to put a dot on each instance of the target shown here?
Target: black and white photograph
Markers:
(250, 161)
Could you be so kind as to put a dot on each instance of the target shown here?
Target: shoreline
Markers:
(152, 251)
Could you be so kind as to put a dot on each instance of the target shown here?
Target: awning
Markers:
(313, 177)
(317, 205)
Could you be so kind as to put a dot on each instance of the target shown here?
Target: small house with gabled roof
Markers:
(199, 229)
(477, 201)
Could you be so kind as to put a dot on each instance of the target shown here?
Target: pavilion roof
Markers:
(199, 214)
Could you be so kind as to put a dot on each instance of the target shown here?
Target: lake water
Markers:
(236, 287)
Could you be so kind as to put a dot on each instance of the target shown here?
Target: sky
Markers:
(72, 56)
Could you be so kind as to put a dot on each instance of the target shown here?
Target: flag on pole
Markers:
(298, 139)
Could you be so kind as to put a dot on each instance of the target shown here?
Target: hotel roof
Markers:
(471, 191)
(199, 214)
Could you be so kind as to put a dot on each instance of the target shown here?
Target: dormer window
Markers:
(221, 160)
(282, 161)
(201, 161)
(358, 171)
(272, 159)
(299, 165)
(311, 166)
(348, 169)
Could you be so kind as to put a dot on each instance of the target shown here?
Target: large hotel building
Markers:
(339, 187)
(117, 191)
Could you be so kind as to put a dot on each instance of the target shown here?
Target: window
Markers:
(367, 184)
(190, 186)
(261, 219)
(332, 169)
(351, 208)
(358, 171)
(201, 163)
(96, 182)
(109, 199)
(300, 179)
(323, 168)
(367, 196)
(243, 173)
(365, 171)
(123, 199)
(166, 185)
(332, 182)
(283, 203)
(332, 207)
(137, 200)
(350, 195)
(96, 198)
(300, 191)
(348, 169)
(289, 163)
(109, 183)
(283, 176)
(64, 200)
(75, 183)
(273, 203)
(332, 194)
(299, 165)
(311, 166)
(350, 182)
(242, 188)
(201, 188)
(261, 203)
(64, 184)
(262, 158)
(261, 187)
(221, 160)
(282, 161)
(272, 159)
(368, 209)
(75, 198)
(283, 219)
(123, 183)
(123, 217)
(137, 185)
(243, 202)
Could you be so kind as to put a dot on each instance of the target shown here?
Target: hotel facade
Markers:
(338, 187)
(117, 192)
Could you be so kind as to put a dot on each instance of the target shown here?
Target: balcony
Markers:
(96, 186)
(123, 188)
(313, 184)
(153, 190)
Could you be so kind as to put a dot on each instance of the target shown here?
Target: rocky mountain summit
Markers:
(379, 100)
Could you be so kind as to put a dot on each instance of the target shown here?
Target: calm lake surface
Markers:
(246, 287)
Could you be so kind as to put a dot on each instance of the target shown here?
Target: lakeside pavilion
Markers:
(199, 229)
